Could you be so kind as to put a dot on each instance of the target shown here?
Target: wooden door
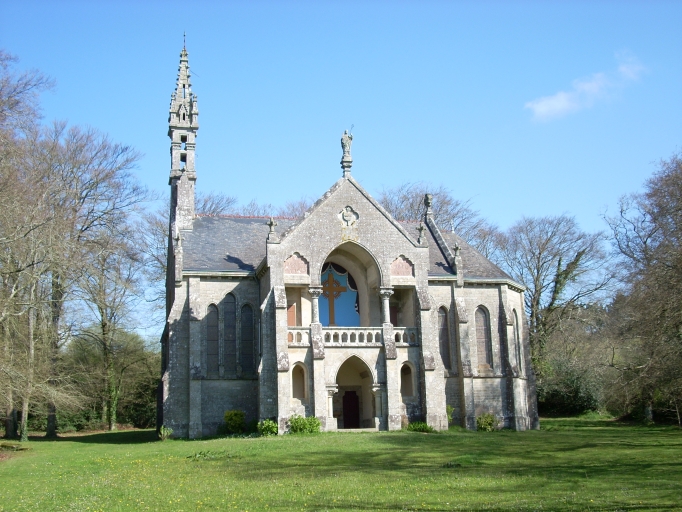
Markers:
(351, 410)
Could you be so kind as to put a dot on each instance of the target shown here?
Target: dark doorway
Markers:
(351, 410)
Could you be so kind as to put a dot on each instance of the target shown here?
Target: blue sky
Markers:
(525, 108)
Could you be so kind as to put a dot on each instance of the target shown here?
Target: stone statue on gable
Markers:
(346, 141)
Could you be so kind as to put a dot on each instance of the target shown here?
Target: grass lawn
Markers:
(570, 464)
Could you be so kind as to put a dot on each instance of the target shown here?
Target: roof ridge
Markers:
(235, 216)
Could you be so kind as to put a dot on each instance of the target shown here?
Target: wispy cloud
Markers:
(585, 92)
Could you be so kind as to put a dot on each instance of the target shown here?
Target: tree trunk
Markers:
(10, 411)
(29, 373)
(56, 305)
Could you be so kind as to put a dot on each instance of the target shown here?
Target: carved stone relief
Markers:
(402, 266)
(296, 264)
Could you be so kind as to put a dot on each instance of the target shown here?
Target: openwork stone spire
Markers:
(183, 124)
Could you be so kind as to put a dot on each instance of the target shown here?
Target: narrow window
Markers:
(230, 334)
(444, 337)
(483, 338)
(212, 361)
(292, 320)
(517, 343)
(406, 381)
(298, 383)
(247, 338)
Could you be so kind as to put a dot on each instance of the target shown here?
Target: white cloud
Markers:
(585, 92)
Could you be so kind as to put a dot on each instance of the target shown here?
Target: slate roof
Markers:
(475, 264)
(224, 243)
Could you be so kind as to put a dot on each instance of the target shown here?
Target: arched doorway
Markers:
(354, 405)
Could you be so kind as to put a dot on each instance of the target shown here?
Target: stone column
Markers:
(379, 421)
(315, 292)
(386, 311)
(331, 420)
(317, 342)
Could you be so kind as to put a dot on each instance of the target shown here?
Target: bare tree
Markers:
(561, 266)
(647, 233)
(406, 203)
(213, 203)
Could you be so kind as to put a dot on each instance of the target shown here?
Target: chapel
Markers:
(344, 314)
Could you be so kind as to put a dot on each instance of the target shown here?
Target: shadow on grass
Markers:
(125, 437)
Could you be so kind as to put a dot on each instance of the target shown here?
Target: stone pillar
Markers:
(331, 420)
(315, 292)
(195, 360)
(386, 311)
(379, 418)
(468, 412)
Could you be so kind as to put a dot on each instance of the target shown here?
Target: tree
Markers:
(562, 268)
(647, 233)
(406, 203)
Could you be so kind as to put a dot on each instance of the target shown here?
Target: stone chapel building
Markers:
(344, 314)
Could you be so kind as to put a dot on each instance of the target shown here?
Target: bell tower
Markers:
(183, 123)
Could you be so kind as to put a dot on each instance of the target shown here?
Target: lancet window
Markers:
(212, 342)
(483, 337)
(444, 337)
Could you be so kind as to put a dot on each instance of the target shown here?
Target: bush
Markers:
(420, 426)
(267, 428)
(165, 432)
(568, 388)
(235, 422)
(486, 422)
(301, 425)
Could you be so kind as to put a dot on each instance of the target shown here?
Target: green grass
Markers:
(572, 464)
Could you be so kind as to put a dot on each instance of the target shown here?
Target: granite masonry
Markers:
(344, 314)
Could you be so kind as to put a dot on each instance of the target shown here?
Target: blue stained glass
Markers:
(344, 297)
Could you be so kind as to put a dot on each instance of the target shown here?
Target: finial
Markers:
(184, 40)
(421, 229)
(457, 248)
(271, 224)
(346, 159)
(428, 201)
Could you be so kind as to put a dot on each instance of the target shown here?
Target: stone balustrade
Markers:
(355, 336)
(408, 335)
(298, 336)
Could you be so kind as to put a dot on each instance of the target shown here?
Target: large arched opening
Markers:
(354, 405)
(350, 277)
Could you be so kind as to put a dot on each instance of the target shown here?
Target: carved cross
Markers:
(271, 223)
(332, 289)
(421, 230)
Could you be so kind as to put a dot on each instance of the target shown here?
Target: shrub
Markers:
(165, 432)
(301, 425)
(486, 422)
(420, 426)
(450, 410)
(267, 428)
(235, 422)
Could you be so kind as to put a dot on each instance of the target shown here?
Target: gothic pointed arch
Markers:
(212, 342)
(484, 344)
